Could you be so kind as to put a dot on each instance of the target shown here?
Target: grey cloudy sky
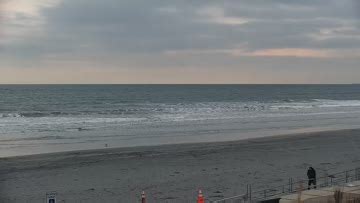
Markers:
(179, 41)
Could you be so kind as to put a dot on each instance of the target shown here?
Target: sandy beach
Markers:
(174, 173)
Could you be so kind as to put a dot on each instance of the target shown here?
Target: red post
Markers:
(143, 197)
(200, 198)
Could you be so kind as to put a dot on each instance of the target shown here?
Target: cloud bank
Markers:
(111, 41)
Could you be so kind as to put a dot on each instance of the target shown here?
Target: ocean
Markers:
(52, 118)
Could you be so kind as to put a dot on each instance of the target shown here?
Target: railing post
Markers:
(331, 181)
(357, 173)
(250, 192)
(247, 192)
(346, 176)
(326, 179)
(289, 185)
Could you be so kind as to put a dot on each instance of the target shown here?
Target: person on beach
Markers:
(311, 173)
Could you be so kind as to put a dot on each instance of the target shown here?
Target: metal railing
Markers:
(335, 179)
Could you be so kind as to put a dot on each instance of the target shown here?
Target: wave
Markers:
(147, 110)
(32, 114)
(10, 115)
(337, 103)
(315, 103)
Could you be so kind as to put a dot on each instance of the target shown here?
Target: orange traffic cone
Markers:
(200, 198)
(143, 198)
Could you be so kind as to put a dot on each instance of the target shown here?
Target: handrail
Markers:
(291, 187)
(229, 198)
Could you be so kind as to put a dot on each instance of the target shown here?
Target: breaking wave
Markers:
(193, 109)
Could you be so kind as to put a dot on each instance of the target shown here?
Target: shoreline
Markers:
(174, 172)
(185, 144)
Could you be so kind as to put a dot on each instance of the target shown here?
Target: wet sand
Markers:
(173, 173)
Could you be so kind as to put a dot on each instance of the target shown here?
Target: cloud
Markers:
(341, 32)
(281, 52)
(286, 52)
(142, 26)
(28, 8)
(217, 15)
(23, 18)
(206, 35)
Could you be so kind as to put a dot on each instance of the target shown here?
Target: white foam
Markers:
(10, 115)
(316, 103)
(337, 103)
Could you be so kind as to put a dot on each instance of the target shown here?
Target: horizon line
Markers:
(179, 83)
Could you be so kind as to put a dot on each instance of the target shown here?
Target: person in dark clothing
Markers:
(311, 173)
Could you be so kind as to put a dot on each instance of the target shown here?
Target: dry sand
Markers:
(173, 173)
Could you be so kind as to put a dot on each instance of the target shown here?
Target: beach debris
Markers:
(200, 198)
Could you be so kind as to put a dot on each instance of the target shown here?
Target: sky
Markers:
(179, 41)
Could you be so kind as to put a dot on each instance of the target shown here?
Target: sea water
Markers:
(52, 118)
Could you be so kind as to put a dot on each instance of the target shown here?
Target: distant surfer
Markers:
(311, 173)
